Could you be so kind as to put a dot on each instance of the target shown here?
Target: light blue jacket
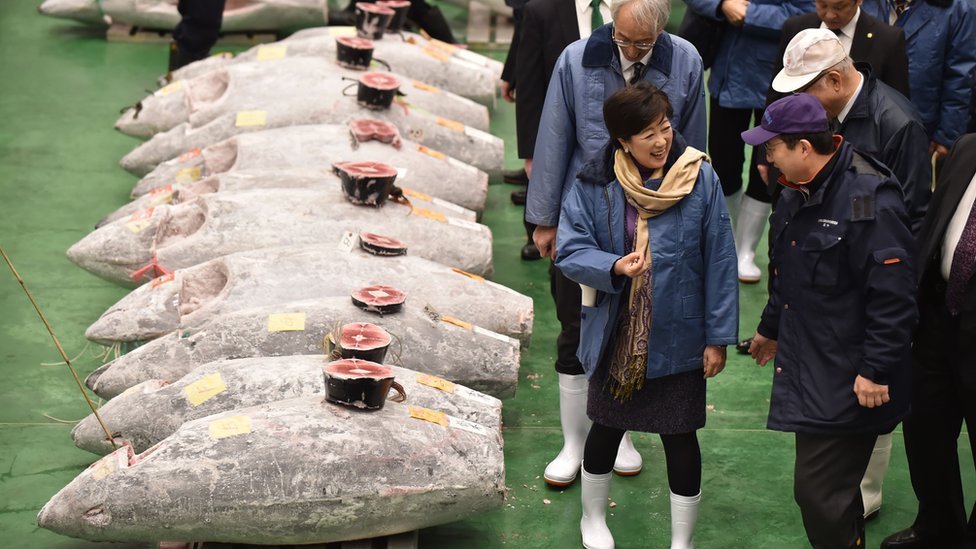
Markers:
(695, 285)
(572, 127)
(941, 43)
(743, 68)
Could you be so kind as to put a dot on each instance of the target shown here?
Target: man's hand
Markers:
(870, 394)
(528, 167)
(939, 149)
(762, 349)
(508, 91)
(545, 239)
(714, 359)
(632, 265)
(763, 170)
(735, 11)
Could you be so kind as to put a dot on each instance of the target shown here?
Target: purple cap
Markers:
(798, 113)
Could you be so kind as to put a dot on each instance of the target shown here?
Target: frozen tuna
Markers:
(156, 241)
(192, 297)
(151, 411)
(239, 15)
(292, 178)
(443, 66)
(289, 472)
(295, 81)
(418, 167)
(480, 149)
(442, 345)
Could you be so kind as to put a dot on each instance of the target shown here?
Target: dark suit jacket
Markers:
(874, 42)
(547, 27)
(954, 179)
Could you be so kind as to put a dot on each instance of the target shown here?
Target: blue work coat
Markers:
(941, 46)
(572, 127)
(695, 289)
(743, 68)
(841, 300)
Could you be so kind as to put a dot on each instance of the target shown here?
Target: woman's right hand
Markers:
(632, 265)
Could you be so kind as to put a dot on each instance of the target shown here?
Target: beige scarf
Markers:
(629, 364)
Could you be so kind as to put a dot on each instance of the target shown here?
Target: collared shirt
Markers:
(956, 226)
(628, 66)
(584, 15)
(892, 14)
(850, 103)
(846, 34)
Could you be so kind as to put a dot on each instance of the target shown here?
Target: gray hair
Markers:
(844, 66)
(650, 14)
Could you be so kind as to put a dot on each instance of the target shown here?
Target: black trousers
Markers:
(827, 487)
(199, 26)
(568, 298)
(725, 147)
(943, 396)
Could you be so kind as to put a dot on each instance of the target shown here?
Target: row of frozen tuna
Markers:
(258, 264)
(239, 15)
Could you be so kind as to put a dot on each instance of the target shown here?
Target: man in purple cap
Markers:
(840, 313)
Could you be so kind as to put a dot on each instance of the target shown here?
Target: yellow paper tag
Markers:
(249, 119)
(432, 416)
(436, 54)
(443, 46)
(451, 124)
(229, 426)
(457, 322)
(172, 87)
(188, 175)
(161, 195)
(426, 87)
(140, 220)
(270, 53)
(431, 152)
(429, 214)
(159, 281)
(435, 382)
(204, 389)
(286, 322)
(337, 32)
(418, 195)
(469, 275)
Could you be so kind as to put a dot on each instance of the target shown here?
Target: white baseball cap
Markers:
(809, 54)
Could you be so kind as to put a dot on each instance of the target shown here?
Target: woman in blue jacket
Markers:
(646, 233)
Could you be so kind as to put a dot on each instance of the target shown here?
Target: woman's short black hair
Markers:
(822, 142)
(632, 108)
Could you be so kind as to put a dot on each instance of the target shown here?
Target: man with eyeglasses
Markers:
(633, 47)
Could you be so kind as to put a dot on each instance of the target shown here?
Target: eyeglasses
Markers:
(643, 46)
(812, 82)
(770, 145)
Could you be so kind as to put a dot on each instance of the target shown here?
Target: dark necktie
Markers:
(900, 6)
(638, 73)
(963, 264)
(596, 18)
(838, 32)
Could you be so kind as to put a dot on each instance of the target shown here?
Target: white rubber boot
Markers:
(629, 461)
(732, 205)
(874, 476)
(749, 229)
(684, 515)
(595, 498)
(562, 471)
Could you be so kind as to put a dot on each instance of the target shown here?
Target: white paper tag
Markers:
(468, 426)
(464, 224)
(378, 293)
(494, 335)
(471, 394)
(347, 242)
(462, 165)
(401, 173)
(447, 205)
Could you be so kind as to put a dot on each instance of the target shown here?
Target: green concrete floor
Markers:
(61, 90)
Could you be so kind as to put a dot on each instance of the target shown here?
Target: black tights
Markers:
(681, 451)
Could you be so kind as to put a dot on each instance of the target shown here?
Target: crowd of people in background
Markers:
(858, 109)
